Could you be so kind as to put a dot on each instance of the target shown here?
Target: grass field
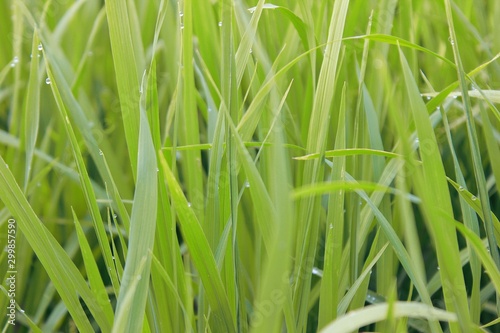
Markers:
(249, 166)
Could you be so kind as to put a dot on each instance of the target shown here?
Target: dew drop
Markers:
(417, 140)
(428, 98)
(209, 109)
(178, 155)
(189, 204)
(247, 184)
(47, 80)
(461, 189)
(473, 198)
(157, 169)
(12, 64)
(455, 96)
(100, 152)
(181, 14)
(182, 26)
(452, 42)
(115, 216)
(318, 272)
(331, 226)
(438, 268)
(40, 47)
(113, 257)
(220, 24)
(251, 51)
(22, 311)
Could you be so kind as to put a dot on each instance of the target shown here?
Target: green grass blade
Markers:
(313, 170)
(61, 270)
(371, 314)
(126, 72)
(132, 302)
(474, 145)
(201, 253)
(437, 201)
(32, 111)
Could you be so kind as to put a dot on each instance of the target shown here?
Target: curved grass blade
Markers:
(354, 320)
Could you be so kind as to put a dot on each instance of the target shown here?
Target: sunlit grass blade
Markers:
(142, 231)
(374, 313)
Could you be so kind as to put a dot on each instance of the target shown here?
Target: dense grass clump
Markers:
(250, 166)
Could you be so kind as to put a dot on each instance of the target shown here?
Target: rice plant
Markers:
(249, 166)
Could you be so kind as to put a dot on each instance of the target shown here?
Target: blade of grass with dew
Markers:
(436, 200)
(126, 71)
(313, 170)
(167, 249)
(90, 198)
(483, 254)
(475, 204)
(474, 145)
(492, 148)
(243, 53)
(32, 110)
(471, 221)
(132, 302)
(77, 114)
(188, 115)
(266, 211)
(201, 254)
(61, 270)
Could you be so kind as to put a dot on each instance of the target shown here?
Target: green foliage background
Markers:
(245, 165)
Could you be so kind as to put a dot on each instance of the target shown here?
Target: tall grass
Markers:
(250, 165)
